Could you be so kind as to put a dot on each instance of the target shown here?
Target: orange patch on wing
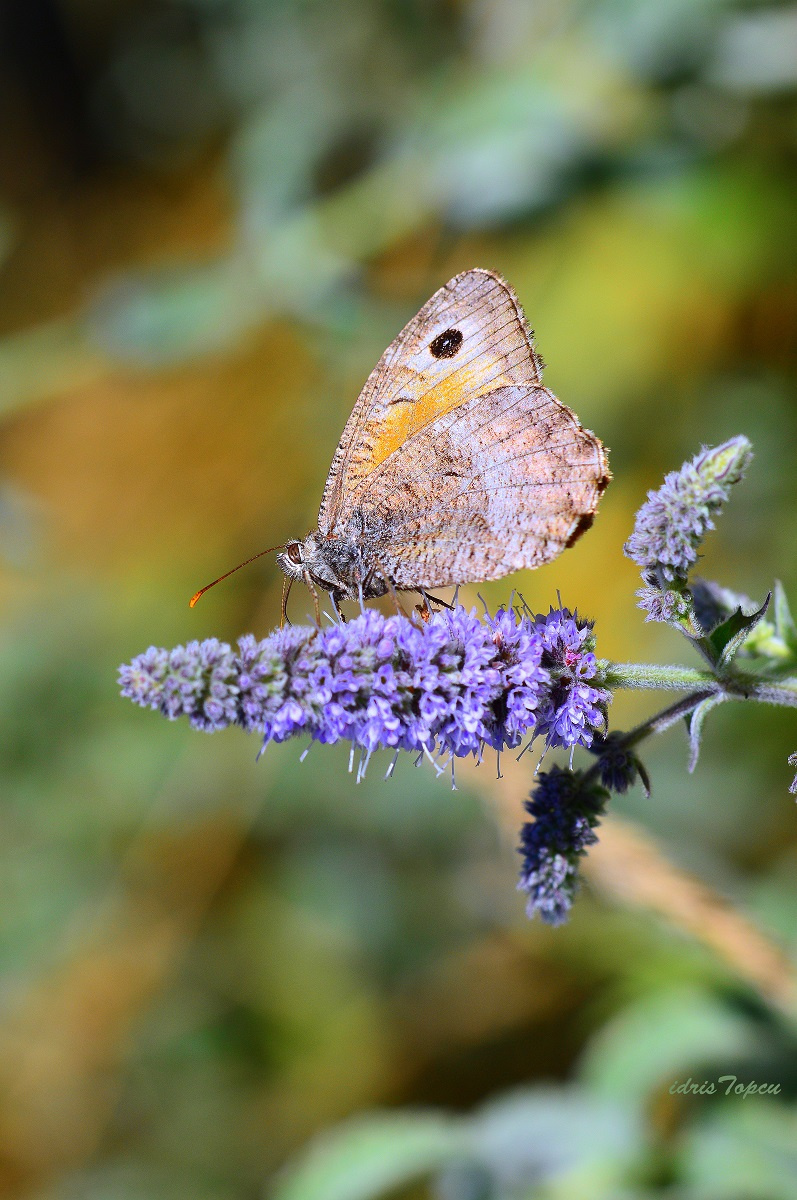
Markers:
(404, 420)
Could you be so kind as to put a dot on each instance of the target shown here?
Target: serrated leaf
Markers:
(727, 639)
(712, 603)
(372, 1156)
(694, 725)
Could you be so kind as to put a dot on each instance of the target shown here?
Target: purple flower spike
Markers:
(566, 811)
(573, 709)
(199, 681)
(449, 687)
(671, 524)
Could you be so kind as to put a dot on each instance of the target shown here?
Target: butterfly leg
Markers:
(379, 569)
(287, 584)
(336, 597)
(427, 596)
(425, 610)
(314, 594)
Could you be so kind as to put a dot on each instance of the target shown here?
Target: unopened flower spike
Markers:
(618, 765)
(671, 524)
(566, 807)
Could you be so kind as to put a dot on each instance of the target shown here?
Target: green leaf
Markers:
(694, 725)
(373, 1155)
(663, 1039)
(714, 603)
(746, 1148)
(774, 639)
(727, 639)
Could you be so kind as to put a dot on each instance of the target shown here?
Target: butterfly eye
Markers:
(294, 553)
(447, 343)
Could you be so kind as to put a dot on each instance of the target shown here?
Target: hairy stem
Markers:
(734, 684)
(663, 678)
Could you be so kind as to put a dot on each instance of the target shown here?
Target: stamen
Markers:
(438, 770)
(527, 747)
(392, 766)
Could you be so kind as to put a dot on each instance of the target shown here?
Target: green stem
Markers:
(666, 678)
(701, 686)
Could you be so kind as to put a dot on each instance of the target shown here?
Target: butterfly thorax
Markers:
(339, 565)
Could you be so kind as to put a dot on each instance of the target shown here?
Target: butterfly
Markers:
(456, 464)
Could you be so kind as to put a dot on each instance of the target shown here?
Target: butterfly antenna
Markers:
(227, 574)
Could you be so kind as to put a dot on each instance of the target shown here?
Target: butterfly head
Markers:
(311, 557)
(339, 565)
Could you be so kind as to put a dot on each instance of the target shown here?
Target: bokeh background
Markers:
(214, 215)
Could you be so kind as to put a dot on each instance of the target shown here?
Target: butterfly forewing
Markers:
(468, 339)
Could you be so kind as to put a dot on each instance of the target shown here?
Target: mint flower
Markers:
(197, 680)
(566, 808)
(573, 709)
(452, 686)
(671, 524)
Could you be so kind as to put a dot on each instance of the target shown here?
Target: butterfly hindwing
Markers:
(507, 481)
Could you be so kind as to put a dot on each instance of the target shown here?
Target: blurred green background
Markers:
(214, 216)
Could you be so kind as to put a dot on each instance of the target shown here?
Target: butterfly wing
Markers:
(456, 464)
(468, 339)
(504, 482)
